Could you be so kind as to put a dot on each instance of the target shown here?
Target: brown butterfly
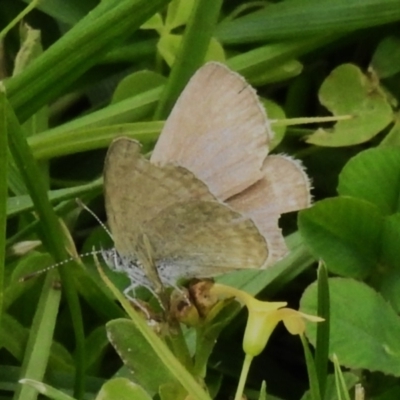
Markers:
(209, 200)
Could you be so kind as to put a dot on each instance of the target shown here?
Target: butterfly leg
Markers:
(128, 294)
(171, 283)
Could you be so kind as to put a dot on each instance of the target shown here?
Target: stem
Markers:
(310, 120)
(3, 194)
(192, 51)
(243, 376)
(19, 18)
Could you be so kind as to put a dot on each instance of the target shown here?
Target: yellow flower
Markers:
(263, 318)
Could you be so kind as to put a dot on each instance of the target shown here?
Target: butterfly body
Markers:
(130, 266)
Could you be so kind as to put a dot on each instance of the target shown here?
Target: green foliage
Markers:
(357, 311)
(356, 234)
(76, 74)
(346, 91)
(138, 356)
(123, 389)
(345, 233)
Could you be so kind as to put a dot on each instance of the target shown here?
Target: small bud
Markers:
(202, 297)
(183, 309)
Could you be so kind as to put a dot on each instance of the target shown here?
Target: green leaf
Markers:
(390, 253)
(392, 139)
(134, 85)
(306, 18)
(386, 59)
(373, 175)
(124, 111)
(68, 12)
(347, 91)
(122, 389)
(96, 346)
(154, 22)
(51, 393)
(257, 62)
(138, 355)
(345, 234)
(389, 287)
(389, 392)
(322, 340)
(207, 335)
(331, 393)
(14, 337)
(195, 44)
(215, 51)
(389, 284)
(364, 327)
(71, 139)
(40, 338)
(168, 46)
(283, 72)
(51, 234)
(172, 391)
(178, 13)
(137, 83)
(107, 25)
(275, 112)
(4, 163)
(31, 48)
(311, 370)
(19, 204)
(263, 391)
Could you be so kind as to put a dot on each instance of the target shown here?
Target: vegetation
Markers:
(76, 74)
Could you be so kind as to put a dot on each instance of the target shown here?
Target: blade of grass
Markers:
(341, 389)
(110, 23)
(19, 204)
(3, 194)
(311, 370)
(257, 60)
(68, 140)
(67, 12)
(18, 18)
(131, 53)
(46, 389)
(40, 338)
(322, 342)
(196, 40)
(308, 18)
(50, 231)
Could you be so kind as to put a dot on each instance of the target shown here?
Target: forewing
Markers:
(136, 191)
(285, 187)
(218, 129)
(200, 239)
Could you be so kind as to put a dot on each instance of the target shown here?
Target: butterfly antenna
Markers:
(53, 266)
(85, 207)
(91, 253)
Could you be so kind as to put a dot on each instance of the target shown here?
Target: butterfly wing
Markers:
(217, 129)
(136, 191)
(204, 239)
(285, 187)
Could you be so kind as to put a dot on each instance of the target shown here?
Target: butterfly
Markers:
(209, 199)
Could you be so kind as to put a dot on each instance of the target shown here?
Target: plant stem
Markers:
(243, 376)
